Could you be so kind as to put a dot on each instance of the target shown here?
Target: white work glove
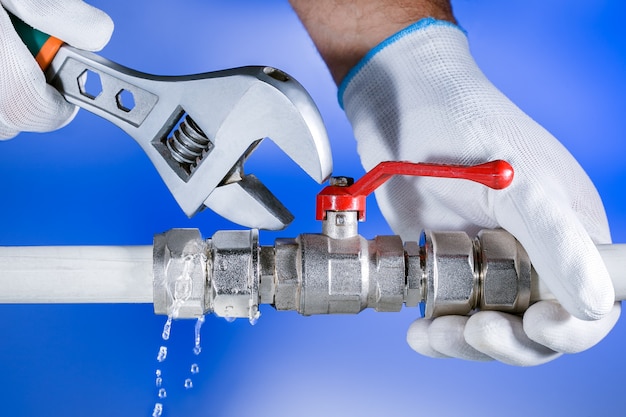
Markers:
(27, 103)
(419, 96)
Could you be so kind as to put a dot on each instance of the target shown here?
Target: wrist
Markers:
(403, 54)
(345, 31)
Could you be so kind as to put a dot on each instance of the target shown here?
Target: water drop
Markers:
(162, 354)
(158, 410)
(159, 381)
(167, 328)
(162, 393)
(182, 288)
(197, 348)
(254, 318)
(184, 285)
(158, 372)
(195, 368)
(230, 319)
(188, 383)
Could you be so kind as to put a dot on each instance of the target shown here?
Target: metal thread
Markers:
(188, 143)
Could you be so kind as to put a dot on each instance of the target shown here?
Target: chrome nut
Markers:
(267, 266)
(387, 274)
(180, 274)
(234, 285)
(505, 272)
(449, 271)
(287, 282)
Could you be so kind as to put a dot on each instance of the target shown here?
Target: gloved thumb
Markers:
(73, 21)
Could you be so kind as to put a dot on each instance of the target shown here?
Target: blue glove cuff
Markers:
(419, 25)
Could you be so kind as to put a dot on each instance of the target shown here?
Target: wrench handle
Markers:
(42, 46)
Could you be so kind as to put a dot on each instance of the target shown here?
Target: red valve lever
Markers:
(495, 174)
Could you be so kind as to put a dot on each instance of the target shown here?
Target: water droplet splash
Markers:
(167, 328)
(254, 317)
(182, 291)
(158, 410)
(184, 284)
(197, 348)
(162, 354)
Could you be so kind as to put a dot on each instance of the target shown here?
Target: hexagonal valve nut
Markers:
(235, 274)
(450, 286)
(180, 274)
(505, 272)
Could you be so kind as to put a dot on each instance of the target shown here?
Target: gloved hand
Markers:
(27, 103)
(419, 96)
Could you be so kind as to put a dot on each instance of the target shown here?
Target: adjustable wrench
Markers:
(198, 130)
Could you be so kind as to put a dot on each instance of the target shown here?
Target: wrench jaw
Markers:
(249, 203)
(245, 200)
(301, 133)
(279, 108)
(272, 106)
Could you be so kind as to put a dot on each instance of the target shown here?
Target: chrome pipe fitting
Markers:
(231, 275)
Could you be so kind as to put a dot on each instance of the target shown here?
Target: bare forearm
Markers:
(345, 30)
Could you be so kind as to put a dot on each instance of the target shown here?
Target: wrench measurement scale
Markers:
(198, 130)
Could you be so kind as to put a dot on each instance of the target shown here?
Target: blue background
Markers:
(564, 63)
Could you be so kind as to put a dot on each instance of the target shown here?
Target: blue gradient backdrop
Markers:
(564, 63)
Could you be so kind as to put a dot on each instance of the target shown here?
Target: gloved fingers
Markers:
(73, 21)
(560, 246)
(7, 133)
(27, 102)
(445, 335)
(549, 324)
(417, 338)
(501, 336)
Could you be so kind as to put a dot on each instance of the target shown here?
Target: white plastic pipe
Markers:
(614, 257)
(123, 274)
(76, 274)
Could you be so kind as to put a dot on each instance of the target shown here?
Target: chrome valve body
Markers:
(339, 271)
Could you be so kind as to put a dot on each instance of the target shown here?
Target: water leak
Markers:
(162, 354)
(183, 285)
(182, 292)
(254, 317)
(158, 410)
(167, 328)
(197, 348)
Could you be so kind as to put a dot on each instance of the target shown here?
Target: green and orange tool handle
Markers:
(41, 45)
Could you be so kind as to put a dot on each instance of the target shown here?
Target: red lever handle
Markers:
(495, 174)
